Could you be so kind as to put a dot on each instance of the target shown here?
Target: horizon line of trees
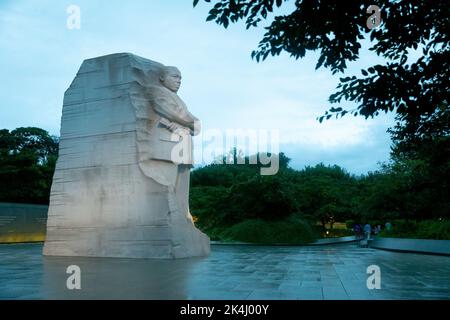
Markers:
(414, 184)
(225, 195)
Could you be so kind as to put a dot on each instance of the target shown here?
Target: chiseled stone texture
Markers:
(102, 203)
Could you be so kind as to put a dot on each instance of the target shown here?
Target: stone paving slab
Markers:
(229, 273)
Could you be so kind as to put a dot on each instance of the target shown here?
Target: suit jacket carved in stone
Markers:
(165, 129)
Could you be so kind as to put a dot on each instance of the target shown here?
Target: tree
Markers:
(231, 193)
(324, 193)
(34, 140)
(416, 91)
(408, 144)
(27, 163)
(269, 198)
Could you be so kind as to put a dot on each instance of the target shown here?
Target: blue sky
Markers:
(39, 56)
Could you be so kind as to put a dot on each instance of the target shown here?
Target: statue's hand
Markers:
(179, 129)
(173, 126)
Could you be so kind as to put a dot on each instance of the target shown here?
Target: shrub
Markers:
(260, 231)
(433, 229)
(375, 223)
(336, 233)
(268, 198)
(404, 227)
(428, 229)
(350, 224)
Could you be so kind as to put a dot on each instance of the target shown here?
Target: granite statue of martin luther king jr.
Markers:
(171, 156)
(121, 182)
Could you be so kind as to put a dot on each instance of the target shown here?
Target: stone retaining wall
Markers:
(22, 222)
(441, 247)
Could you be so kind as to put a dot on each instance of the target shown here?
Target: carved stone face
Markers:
(171, 78)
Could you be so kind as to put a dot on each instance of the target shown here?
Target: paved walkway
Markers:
(230, 272)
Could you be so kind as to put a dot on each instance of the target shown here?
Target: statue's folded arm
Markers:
(171, 111)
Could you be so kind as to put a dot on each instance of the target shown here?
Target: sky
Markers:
(222, 85)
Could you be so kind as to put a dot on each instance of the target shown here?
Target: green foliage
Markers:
(349, 224)
(404, 226)
(260, 231)
(229, 194)
(27, 162)
(233, 172)
(260, 197)
(204, 204)
(337, 233)
(413, 187)
(433, 229)
(427, 229)
(414, 184)
(324, 193)
(225, 195)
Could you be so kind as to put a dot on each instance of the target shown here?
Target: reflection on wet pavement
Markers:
(230, 272)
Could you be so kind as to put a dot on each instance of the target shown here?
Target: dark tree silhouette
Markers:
(27, 162)
(417, 91)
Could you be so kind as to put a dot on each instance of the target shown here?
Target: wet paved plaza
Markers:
(230, 272)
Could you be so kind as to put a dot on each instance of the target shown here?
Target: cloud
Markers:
(222, 86)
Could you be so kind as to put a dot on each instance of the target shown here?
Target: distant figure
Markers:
(357, 229)
(367, 230)
(378, 229)
(388, 226)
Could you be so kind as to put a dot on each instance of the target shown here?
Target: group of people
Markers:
(366, 231)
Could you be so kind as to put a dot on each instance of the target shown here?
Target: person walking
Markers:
(367, 230)
(357, 229)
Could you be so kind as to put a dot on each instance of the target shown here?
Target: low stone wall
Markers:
(339, 240)
(441, 247)
(318, 242)
(22, 222)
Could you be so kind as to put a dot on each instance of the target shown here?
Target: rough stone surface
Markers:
(116, 191)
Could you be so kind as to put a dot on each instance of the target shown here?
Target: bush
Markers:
(203, 202)
(337, 233)
(375, 223)
(439, 230)
(260, 231)
(428, 229)
(350, 224)
(269, 198)
(404, 227)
